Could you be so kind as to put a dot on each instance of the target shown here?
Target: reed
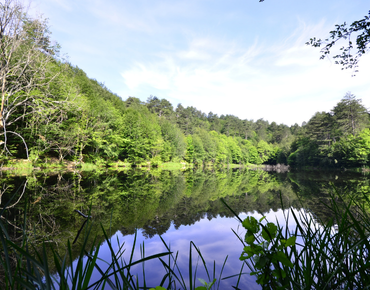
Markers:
(26, 267)
(314, 255)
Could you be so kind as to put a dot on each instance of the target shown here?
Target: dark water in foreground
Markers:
(179, 206)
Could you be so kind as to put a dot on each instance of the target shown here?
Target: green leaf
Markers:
(269, 231)
(256, 249)
(247, 250)
(282, 258)
(279, 273)
(262, 279)
(290, 241)
(251, 224)
(249, 238)
(262, 261)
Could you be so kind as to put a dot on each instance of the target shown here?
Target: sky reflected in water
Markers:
(214, 238)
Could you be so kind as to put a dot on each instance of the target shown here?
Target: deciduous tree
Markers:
(26, 56)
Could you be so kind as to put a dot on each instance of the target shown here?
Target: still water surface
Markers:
(178, 206)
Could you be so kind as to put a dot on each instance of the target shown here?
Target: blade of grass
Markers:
(132, 264)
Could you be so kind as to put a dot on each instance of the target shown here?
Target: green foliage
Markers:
(199, 152)
(335, 139)
(222, 153)
(354, 150)
(162, 108)
(189, 157)
(235, 151)
(209, 145)
(265, 151)
(329, 255)
(68, 116)
(174, 147)
(207, 286)
(350, 115)
(269, 251)
(141, 134)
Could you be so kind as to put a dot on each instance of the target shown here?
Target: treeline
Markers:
(51, 110)
(195, 137)
(92, 124)
(339, 138)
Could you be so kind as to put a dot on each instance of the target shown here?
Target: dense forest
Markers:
(51, 110)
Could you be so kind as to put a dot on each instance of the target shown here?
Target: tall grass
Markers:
(333, 255)
(314, 255)
(25, 266)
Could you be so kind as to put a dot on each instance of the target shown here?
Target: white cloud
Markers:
(285, 82)
(169, 49)
(146, 76)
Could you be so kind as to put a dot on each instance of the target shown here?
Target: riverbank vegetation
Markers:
(314, 255)
(52, 112)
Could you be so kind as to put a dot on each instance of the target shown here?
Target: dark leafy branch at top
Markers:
(350, 53)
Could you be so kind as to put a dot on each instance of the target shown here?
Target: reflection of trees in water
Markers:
(152, 201)
(316, 189)
(156, 227)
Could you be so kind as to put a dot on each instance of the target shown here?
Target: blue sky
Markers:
(237, 57)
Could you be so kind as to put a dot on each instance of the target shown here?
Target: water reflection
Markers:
(179, 206)
(213, 237)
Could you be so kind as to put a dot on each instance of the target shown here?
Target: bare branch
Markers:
(26, 54)
(14, 204)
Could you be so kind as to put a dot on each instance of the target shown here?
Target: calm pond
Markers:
(179, 206)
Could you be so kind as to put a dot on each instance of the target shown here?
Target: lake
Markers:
(179, 206)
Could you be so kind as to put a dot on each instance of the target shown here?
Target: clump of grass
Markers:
(172, 166)
(25, 270)
(332, 255)
(119, 164)
(175, 278)
(26, 267)
(87, 166)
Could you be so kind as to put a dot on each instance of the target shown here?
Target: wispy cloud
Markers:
(222, 58)
(284, 81)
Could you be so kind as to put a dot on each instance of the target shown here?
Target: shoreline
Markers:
(26, 166)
